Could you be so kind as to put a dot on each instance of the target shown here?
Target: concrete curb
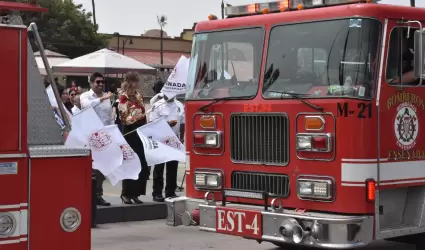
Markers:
(127, 213)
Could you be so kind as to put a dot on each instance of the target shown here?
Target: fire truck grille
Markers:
(273, 184)
(259, 139)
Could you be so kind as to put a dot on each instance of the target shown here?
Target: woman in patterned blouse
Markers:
(132, 113)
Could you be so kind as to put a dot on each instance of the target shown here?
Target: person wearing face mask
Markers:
(173, 111)
(101, 103)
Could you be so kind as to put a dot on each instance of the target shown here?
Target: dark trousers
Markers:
(135, 188)
(171, 179)
(100, 178)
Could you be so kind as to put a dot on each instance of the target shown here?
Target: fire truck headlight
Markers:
(207, 139)
(208, 180)
(7, 225)
(314, 142)
(303, 142)
(314, 189)
(211, 140)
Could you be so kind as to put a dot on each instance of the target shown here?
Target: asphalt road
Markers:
(155, 235)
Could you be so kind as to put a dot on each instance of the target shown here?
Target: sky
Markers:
(135, 17)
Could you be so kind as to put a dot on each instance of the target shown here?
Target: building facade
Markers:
(146, 49)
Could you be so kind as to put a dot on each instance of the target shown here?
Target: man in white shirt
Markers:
(101, 103)
(173, 111)
(77, 105)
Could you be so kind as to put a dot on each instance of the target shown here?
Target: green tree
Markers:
(66, 28)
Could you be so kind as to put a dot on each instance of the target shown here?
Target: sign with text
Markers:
(244, 223)
(176, 82)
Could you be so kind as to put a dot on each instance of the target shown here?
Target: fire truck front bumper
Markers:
(276, 224)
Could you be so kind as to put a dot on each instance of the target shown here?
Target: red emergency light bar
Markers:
(24, 7)
(280, 6)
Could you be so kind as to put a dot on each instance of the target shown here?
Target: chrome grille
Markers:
(259, 139)
(273, 184)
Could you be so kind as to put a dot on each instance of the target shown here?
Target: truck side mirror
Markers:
(419, 39)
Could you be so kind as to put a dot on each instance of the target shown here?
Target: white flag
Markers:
(53, 102)
(176, 82)
(160, 143)
(88, 131)
(131, 165)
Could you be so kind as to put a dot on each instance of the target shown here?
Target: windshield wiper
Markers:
(213, 101)
(298, 97)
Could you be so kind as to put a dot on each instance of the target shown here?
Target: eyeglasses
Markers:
(99, 81)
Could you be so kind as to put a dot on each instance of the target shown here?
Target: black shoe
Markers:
(172, 196)
(102, 202)
(126, 200)
(158, 198)
(137, 201)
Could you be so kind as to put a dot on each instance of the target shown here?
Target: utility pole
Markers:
(222, 9)
(94, 12)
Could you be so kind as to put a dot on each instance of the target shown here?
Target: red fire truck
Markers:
(304, 119)
(45, 197)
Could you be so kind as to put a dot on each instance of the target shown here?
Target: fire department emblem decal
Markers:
(172, 141)
(127, 152)
(406, 126)
(99, 140)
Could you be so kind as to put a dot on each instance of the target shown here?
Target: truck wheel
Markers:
(420, 243)
(419, 239)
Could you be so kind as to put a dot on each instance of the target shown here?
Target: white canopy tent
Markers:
(103, 61)
(52, 57)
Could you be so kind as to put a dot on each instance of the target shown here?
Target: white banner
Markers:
(160, 143)
(53, 102)
(131, 165)
(88, 131)
(176, 82)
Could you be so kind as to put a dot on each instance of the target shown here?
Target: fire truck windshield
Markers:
(225, 64)
(322, 59)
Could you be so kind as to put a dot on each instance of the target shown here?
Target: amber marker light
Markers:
(314, 123)
(207, 122)
(265, 11)
(212, 17)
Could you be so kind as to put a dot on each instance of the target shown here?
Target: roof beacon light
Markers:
(212, 17)
(295, 4)
(272, 7)
(257, 8)
(335, 2)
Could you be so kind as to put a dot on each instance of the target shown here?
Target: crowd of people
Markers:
(126, 108)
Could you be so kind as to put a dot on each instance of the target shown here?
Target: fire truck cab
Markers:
(45, 197)
(304, 124)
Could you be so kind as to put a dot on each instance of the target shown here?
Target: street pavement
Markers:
(155, 235)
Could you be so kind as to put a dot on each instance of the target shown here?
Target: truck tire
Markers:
(420, 242)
